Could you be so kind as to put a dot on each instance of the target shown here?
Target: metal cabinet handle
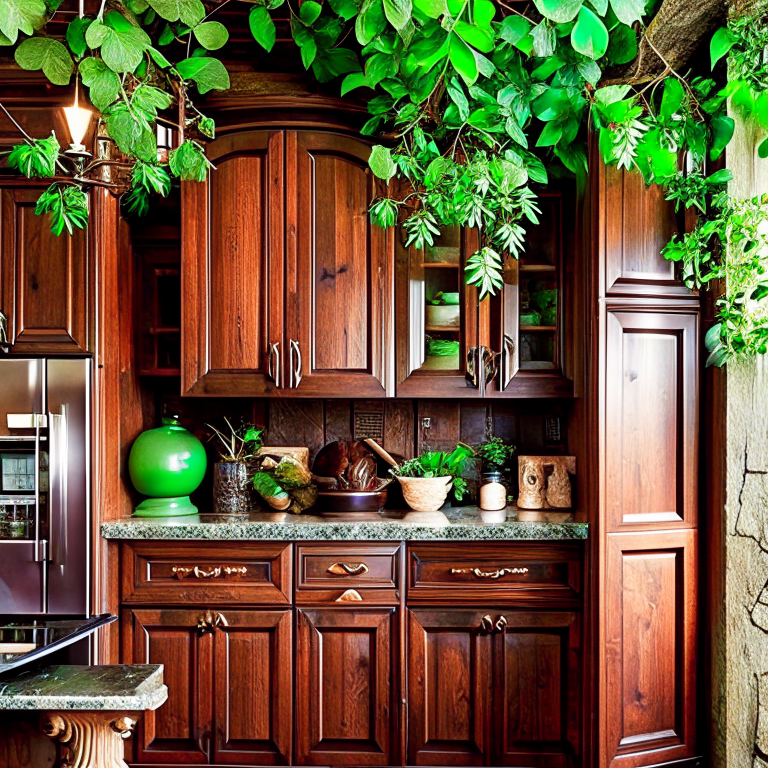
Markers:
(348, 569)
(220, 621)
(206, 623)
(497, 574)
(350, 596)
(5, 343)
(295, 363)
(486, 623)
(182, 571)
(501, 622)
(507, 360)
(472, 366)
(273, 368)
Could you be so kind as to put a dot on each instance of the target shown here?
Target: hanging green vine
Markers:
(484, 103)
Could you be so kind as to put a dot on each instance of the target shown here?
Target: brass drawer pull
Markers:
(497, 574)
(350, 596)
(182, 572)
(348, 569)
(206, 623)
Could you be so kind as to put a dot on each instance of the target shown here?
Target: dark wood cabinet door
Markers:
(344, 686)
(44, 278)
(252, 673)
(232, 269)
(537, 689)
(339, 271)
(449, 687)
(180, 730)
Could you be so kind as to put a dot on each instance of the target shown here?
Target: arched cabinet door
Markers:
(232, 269)
(339, 271)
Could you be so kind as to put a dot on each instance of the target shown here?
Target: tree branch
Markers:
(670, 39)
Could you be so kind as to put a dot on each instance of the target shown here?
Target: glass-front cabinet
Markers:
(448, 344)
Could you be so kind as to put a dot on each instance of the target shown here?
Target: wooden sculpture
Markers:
(545, 482)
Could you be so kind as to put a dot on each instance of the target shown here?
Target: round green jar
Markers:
(167, 464)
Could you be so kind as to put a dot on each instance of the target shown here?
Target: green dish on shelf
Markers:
(443, 348)
(530, 318)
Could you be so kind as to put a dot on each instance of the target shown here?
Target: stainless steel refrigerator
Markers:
(44, 487)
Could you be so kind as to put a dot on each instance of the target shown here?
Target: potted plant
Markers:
(236, 447)
(427, 479)
(496, 460)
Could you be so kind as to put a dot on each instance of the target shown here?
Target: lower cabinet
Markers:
(344, 686)
(229, 676)
(493, 687)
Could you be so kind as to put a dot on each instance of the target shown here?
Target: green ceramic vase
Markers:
(167, 464)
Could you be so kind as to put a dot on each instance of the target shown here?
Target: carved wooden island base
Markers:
(89, 739)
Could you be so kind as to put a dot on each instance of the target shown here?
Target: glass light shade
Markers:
(78, 119)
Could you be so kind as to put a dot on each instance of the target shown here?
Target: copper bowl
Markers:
(351, 505)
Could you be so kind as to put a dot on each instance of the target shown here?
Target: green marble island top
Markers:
(449, 524)
(122, 687)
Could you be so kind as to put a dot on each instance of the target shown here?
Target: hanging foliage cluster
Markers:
(484, 103)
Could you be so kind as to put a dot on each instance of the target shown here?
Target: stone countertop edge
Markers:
(83, 688)
(457, 524)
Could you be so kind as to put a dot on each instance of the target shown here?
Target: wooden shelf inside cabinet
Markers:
(439, 265)
(538, 328)
(443, 328)
(538, 268)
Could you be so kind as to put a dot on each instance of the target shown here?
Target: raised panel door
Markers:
(252, 673)
(180, 730)
(651, 420)
(344, 686)
(44, 281)
(537, 689)
(232, 269)
(339, 270)
(649, 705)
(449, 687)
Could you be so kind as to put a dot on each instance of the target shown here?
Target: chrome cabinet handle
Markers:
(486, 623)
(497, 574)
(220, 621)
(348, 569)
(507, 357)
(471, 374)
(295, 364)
(273, 368)
(501, 622)
(5, 343)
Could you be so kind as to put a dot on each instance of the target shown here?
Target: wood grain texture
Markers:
(297, 422)
(46, 279)
(650, 641)
(253, 672)
(344, 686)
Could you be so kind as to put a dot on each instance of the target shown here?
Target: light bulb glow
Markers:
(78, 119)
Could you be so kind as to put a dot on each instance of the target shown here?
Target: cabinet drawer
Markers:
(352, 573)
(524, 573)
(214, 572)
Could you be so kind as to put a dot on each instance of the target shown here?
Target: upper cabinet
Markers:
(286, 285)
(43, 279)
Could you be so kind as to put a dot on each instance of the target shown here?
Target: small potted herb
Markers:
(237, 446)
(427, 479)
(495, 455)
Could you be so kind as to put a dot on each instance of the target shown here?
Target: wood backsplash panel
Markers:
(399, 426)
(473, 422)
(444, 424)
(338, 420)
(297, 422)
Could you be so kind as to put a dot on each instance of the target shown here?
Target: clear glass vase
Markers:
(230, 487)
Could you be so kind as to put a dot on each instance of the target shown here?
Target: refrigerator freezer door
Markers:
(21, 392)
(69, 461)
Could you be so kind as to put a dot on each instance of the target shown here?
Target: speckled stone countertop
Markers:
(450, 524)
(122, 687)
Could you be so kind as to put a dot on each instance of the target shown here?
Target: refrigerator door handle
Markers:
(56, 544)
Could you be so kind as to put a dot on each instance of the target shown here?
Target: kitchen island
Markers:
(448, 638)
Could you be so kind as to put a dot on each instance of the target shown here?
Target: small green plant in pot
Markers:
(427, 479)
(495, 455)
(237, 447)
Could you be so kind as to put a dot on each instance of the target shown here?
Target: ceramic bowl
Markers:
(425, 494)
(443, 314)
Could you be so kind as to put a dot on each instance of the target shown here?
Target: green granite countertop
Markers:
(111, 687)
(450, 524)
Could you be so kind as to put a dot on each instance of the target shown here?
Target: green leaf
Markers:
(211, 35)
(262, 27)
(122, 45)
(514, 28)
(76, 36)
(132, 133)
(354, 80)
(623, 45)
(475, 36)
(68, 206)
(601, 6)
(207, 73)
(370, 21)
(151, 100)
(551, 134)
(722, 42)
(610, 94)
(483, 12)
(434, 9)
(310, 12)
(381, 163)
(628, 11)
(158, 58)
(21, 16)
(188, 162)
(308, 53)
(398, 12)
(189, 12)
(103, 83)
(722, 133)
(47, 54)
(456, 94)
(544, 40)
(462, 59)
(589, 37)
(559, 10)
(672, 99)
(335, 62)
(347, 9)
(37, 158)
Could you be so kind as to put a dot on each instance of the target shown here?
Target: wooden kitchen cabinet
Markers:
(43, 279)
(228, 674)
(344, 686)
(490, 687)
(286, 285)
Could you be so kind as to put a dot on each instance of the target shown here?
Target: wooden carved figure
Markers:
(545, 482)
